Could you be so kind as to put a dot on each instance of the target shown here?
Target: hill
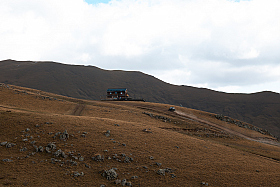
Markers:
(52, 140)
(88, 82)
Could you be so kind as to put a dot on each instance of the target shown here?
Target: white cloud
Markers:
(221, 44)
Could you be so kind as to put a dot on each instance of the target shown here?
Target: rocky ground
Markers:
(51, 140)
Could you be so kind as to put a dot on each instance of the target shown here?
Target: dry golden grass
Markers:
(222, 159)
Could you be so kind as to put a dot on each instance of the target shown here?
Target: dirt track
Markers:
(230, 131)
(192, 117)
(78, 110)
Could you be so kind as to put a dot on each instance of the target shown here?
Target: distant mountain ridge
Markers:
(88, 82)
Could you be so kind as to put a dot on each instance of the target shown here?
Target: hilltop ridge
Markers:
(89, 82)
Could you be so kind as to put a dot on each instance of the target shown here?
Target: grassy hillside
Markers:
(88, 82)
(143, 143)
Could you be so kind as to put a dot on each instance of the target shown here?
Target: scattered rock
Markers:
(71, 162)
(127, 159)
(158, 164)
(48, 150)
(242, 124)
(88, 166)
(134, 177)
(123, 182)
(59, 153)
(33, 142)
(128, 183)
(161, 172)
(23, 149)
(64, 136)
(165, 119)
(118, 181)
(56, 134)
(3, 143)
(204, 183)
(146, 130)
(168, 170)
(9, 145)
(98, 158)
(40, 149)
(107, 133)
(77, 174)
(110, 174)
(53, 160)
(7, 160)
(50, 147)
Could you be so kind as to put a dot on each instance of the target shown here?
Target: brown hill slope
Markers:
(261, 109)
(145, 142)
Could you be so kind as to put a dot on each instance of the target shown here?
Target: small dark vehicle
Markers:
(172, 109)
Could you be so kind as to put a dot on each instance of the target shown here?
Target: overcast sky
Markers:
(224, 45)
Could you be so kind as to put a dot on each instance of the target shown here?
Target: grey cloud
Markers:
(180, 42)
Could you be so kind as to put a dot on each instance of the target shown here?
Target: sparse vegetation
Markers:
(72, 142)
